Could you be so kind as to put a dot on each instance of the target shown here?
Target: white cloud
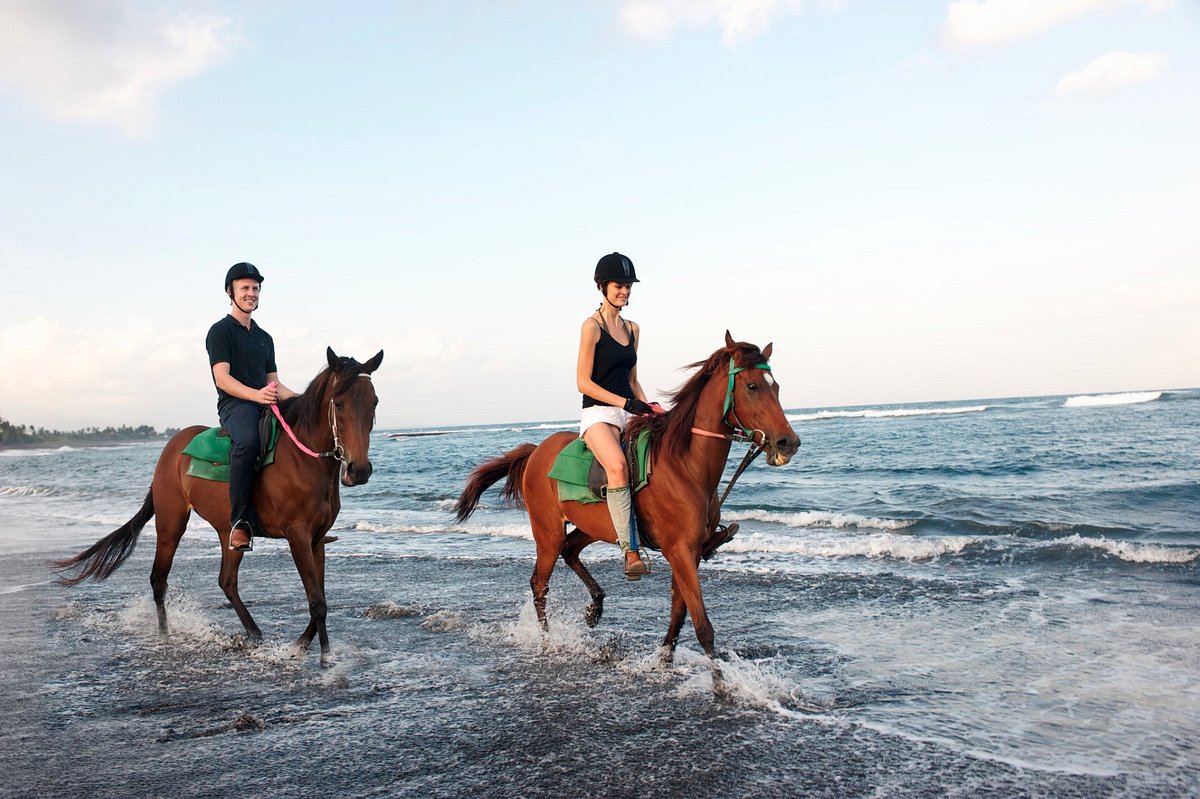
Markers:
(738, 19)
(105, 61)
(143, 371)
(1113, 71)
(56, 375)
(991, 23)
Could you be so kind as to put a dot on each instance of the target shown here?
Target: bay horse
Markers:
(296, 497)
(731, 393)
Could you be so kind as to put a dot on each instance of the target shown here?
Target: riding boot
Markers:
(620, 508)
(241, 420)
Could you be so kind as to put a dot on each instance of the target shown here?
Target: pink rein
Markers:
(287, 429)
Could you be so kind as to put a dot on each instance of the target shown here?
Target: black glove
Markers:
(637, 407)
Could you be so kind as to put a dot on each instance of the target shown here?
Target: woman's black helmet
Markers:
(238, 271)
(617, 268)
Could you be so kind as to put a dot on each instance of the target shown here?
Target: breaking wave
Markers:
(885, 413)
(1093, 400)
(24, 491)
(819, 519)
(875, 546)
(1133, 552)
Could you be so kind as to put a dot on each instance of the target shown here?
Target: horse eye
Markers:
(752, 386)
(338, 404)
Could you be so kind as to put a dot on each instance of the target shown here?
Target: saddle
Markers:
(581, 478)
(210, 448)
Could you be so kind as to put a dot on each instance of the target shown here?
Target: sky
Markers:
(914, 201)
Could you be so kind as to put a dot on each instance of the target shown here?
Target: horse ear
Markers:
(766, 351)
(728, 341)
(373, 364)
(334, 361)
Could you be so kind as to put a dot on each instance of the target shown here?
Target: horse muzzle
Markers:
(782, 448)
(355, 473)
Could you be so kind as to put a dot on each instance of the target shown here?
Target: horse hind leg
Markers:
(539, 583)
(550, 537)
(576, 542)
(169, 525)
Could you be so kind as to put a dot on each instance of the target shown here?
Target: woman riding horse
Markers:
(732, 395)
(606, 374)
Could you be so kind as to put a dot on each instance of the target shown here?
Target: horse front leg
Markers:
(306, 565)
(306, 637)
(228, 580)
(678, 616)
(686, 582)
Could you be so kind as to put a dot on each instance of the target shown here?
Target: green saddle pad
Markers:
(210, 453)
(571, 467)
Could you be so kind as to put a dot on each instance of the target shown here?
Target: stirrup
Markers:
(249, 545)
(727, 534)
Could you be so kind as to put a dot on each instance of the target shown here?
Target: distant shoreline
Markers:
(79, 443)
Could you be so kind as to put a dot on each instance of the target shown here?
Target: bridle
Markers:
(741, 432)
(338, 452)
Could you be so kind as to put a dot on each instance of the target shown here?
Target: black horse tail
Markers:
(105, 556)
(511, 465)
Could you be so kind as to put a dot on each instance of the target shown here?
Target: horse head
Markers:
(351, 403)
(752, 401)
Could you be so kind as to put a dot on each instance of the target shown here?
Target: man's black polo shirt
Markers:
(249, 353)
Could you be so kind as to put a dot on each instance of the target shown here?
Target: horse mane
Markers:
(673, 429)
(308, 409)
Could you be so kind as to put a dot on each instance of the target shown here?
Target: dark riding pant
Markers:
(240, 418)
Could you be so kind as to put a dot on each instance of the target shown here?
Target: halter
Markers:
(337, 453)
(744, 433)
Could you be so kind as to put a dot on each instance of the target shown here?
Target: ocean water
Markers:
(984, 598)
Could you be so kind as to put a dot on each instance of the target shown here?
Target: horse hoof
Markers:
(592, 615)
(721, 689)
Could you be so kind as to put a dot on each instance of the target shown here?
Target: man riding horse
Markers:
(242, 357)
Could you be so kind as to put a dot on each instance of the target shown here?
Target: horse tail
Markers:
(105, 556)
(511, 465)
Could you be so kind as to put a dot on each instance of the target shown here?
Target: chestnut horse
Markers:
(731, 393)
(296, 497)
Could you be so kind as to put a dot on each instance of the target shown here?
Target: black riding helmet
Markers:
(238, 271)
(616, 268)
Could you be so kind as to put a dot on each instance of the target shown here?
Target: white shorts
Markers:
(607, 414)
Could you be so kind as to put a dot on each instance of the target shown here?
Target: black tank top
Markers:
(612, 364)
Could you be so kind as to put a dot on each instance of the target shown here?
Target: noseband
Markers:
(337, 453)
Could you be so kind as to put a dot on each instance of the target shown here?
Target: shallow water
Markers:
(993, 598)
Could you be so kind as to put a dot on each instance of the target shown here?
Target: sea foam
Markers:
(500, 530)
(24, 491)
(1134, 552)
(879, 545)
(1093, 400)
(885, 413)
(819, 519)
